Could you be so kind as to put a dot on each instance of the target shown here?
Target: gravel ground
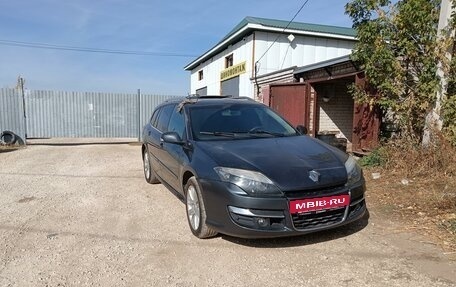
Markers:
(84, 216)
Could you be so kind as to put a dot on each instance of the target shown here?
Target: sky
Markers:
(174, 32)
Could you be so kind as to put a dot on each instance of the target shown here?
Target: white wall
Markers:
(304, 50)
(242, 51)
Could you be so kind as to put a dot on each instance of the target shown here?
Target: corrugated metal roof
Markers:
(306, 27)
(325, 30)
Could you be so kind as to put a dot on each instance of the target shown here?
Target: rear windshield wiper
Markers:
(219, 134)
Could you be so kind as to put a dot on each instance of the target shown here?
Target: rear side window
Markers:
(153, 119)
(163, 117)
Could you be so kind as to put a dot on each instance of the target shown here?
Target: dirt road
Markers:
(84, 216)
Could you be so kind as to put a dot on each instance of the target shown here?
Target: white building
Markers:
(228, 68)
(302, 71)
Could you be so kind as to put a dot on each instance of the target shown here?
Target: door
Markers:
(174, 154)
(366, 121)
(151, 137)
(155, 144)
(290, 101)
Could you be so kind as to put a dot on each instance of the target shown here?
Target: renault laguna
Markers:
(244, 171)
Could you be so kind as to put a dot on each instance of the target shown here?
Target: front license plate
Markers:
(320, 203)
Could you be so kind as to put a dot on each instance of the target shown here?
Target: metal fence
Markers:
(12, 112)
(51, 114)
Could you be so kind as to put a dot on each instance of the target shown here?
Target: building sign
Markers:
(233, 71)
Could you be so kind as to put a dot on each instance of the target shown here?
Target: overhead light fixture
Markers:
(291, 38)
(329, 93)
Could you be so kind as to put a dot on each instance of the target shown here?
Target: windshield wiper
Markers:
(220, 134)
(263, 132)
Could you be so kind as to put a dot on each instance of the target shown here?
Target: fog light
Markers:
(263, 222)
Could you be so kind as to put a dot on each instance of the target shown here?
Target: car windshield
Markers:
(236, 121)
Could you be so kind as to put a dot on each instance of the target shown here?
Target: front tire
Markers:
(149, 173)
(196, 211)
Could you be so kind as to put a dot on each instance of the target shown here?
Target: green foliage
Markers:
(376, 158)
(449, 117)
(399, 51)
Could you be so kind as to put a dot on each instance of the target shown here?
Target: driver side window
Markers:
(177, 123)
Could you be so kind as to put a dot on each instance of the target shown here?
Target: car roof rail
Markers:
(244, 98)
(197, 96)
(193, 98)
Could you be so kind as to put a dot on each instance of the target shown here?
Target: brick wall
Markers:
(264, 81)
(336, 115)
(311, 110)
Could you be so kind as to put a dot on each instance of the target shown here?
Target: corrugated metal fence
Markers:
(76, 114)
(12, 112)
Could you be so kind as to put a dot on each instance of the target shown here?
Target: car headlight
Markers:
(252, 182)
(353, 171)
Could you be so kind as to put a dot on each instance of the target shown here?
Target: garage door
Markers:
(202, 91)
(290, 101)
(231, 87)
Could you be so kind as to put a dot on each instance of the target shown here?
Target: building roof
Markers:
(323, 64)
(249, 24)
(330, 69)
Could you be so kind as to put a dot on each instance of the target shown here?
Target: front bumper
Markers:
(254, 217)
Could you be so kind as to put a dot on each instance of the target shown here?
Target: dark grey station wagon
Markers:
(242, 170)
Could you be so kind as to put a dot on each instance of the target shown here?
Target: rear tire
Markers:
(149, 173)
(196, 211)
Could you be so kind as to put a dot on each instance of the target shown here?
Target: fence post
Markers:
(138, 105)
(21, 83)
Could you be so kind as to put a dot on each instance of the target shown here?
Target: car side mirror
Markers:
(301, 129)
(172, 138)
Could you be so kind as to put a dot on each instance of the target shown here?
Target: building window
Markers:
(228, 61)
(200, 75)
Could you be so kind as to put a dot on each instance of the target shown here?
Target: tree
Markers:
(399, 51)
(449, 102)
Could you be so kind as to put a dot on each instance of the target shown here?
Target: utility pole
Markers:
(433, 119)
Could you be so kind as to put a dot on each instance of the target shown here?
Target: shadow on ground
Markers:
(4, 149)
(306, 239)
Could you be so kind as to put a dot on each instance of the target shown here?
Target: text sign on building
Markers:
(233, 71)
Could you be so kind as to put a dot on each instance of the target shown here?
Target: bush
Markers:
(376, 158)
(413, 160)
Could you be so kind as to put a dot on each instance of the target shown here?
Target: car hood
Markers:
(287, 161)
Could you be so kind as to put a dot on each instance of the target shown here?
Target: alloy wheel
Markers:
(146, 165)
(193, 208)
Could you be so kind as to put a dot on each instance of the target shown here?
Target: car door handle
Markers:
(161, 142)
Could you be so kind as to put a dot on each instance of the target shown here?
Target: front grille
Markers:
(318, 220)
(316, 192)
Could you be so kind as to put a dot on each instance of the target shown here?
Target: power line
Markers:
(267, 50)
(286, 27)
(89, 50)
